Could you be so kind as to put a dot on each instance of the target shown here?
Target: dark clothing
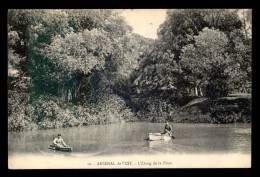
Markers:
(168, 129)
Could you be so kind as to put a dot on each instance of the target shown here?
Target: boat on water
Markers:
(66, 149)
(159, 136)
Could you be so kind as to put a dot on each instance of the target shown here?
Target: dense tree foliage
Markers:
(204, 58)
(80, 67)
(181, 26)
(74, 56)
(202, 52)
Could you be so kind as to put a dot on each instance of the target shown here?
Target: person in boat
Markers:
(59, 141)
(167, 129)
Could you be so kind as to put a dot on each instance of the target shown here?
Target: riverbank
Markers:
(230, 109)
(51, 114)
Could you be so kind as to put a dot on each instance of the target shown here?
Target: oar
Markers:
(172, 136)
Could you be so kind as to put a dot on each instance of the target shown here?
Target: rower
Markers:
(167, 129)
(59, 141)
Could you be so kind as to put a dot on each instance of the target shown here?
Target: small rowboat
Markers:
(67, 149)
(159, 136)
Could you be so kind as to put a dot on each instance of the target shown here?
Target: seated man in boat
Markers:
(59, 141)
(167, 129)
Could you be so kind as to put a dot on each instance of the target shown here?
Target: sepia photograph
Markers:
(129, 88)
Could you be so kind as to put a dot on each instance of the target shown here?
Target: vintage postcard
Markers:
(129, 88)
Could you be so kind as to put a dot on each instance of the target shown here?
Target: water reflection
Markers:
(131, 138)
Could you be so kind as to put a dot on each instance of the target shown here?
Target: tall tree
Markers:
(207, 56)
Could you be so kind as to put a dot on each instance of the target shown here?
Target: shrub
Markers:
(17, 101)
(110, 108)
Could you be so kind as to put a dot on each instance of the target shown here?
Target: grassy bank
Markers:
(223, 110)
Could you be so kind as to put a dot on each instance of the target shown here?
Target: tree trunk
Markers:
(244, 24)
(66, 94)
(62, 93)
(200, 91)
(190, 91)
(195, 91)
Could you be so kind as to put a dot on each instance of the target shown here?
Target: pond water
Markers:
(132, 139)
